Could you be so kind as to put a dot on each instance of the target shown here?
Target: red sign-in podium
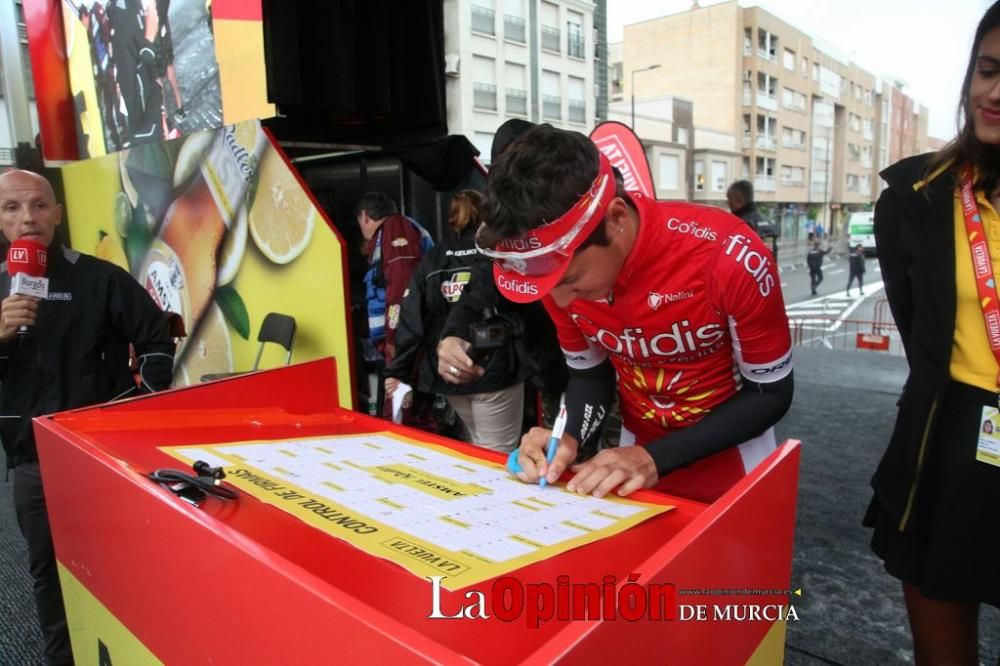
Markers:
(149, 577)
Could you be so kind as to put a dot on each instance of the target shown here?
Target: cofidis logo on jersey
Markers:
(692, 228)
(753, 262)
(681, 339)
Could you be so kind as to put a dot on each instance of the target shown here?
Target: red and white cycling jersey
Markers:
(697, 303)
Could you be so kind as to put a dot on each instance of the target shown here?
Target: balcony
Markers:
(550, 39)
(764, 184)
(517, 102)
(483, 20)
(766, 142)
(767, 102)
(791, 181)
(514, 29)
(551, 107)
(484, 96)
(577, 111)
(766, 55)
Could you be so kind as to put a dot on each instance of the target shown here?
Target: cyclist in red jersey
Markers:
(681, 301)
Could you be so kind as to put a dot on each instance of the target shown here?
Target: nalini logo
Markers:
(655, 300)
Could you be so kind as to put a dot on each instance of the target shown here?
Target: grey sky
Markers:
(924, 42)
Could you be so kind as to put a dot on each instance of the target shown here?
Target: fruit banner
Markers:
(142, 71)
(219, 229)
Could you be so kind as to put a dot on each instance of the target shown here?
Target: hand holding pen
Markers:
(544, 455)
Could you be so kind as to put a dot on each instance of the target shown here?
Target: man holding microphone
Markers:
(678, 302)
(69, 350)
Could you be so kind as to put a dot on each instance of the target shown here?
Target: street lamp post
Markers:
(632, 88)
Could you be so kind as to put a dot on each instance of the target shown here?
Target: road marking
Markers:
(841, 270)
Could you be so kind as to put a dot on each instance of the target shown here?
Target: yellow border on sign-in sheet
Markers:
(270, 476)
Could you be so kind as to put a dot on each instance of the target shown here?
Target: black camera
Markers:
(493, 332)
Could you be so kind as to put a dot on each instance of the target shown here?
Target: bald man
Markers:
(76, 354)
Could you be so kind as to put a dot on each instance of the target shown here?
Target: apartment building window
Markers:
(853, 182)
(699, 176)
(766, 132)
(748, 42)
(854, 121)
(574, 35)
(549, 18)
(830, 83)
(790, 59)
(767, 91)
(484, 86)
(805, 67)
(853, 152)
(551, 96)
(617, 79)
(746, 130)
(793, 176)
(720, 176)
(868, 130)
(866, 156)
(747, 87)
(764, 181)
(816, 72)
(869, 98)
(865, 183)
(767, 44)
(682, 136)
(793, 99)
(516, 89)
(576, 100)
(514, 25)
(667, 176)
(483, 20)
(793, 138)
(822, 112)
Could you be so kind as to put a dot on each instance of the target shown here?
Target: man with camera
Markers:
(491, 403)
(681, 302)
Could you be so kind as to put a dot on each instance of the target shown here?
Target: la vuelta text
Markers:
(510, 600)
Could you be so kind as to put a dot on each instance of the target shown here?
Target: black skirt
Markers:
(953, 551)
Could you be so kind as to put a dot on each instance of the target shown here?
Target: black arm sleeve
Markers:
(755, 408)
(893, 261)
(411, 328)
(135, 314)
(588, 397)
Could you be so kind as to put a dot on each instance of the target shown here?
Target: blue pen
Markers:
(557, 432)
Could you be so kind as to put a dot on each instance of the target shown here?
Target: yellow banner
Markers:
(429, 509)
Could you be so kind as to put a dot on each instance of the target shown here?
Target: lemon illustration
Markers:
(282, 218)
(110, 249)
(123, 214)
(190, 156)
(209, 351)
(233, 247)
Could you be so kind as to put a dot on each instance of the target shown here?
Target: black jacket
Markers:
(78, 353)
(451, 269)
(914, 231)
(814, 258)
(857, 263)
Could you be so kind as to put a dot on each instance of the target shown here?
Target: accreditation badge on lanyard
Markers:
(988, 448)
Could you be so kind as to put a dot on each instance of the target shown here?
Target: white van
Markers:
(861, 231)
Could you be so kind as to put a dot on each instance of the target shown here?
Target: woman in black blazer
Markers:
(936, 509)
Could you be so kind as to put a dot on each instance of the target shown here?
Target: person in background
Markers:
(857, 270)
(814, 260)
(638, 295)
(490, 405)
(394, 244)
(77, 354)
(937, 488)
(739, 196)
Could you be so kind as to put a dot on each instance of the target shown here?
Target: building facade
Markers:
(8, 141)
(530, 59)
(812, 128)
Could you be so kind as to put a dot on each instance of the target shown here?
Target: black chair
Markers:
(277, 328)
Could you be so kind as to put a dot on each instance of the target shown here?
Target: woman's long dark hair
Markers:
(966, 148)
